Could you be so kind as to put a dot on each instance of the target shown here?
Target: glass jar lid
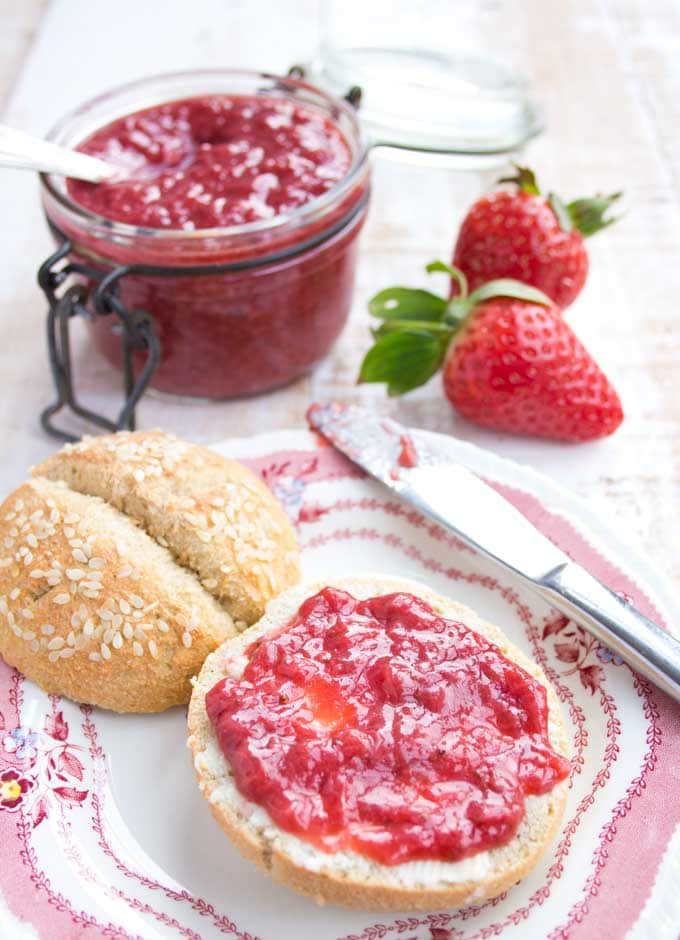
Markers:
(428, 100)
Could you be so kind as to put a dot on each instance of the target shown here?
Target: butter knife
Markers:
(458, 500)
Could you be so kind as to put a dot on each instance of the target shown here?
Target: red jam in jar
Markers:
(214, 161)
(378, 726)
(249, 192)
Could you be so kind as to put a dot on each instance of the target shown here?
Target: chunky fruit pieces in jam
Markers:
(214, 161)
(379, 727)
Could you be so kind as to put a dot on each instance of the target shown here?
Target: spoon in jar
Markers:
(26, 152)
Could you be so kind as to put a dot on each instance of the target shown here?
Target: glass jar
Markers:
(241, 309)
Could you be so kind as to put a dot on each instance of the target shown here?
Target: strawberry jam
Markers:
(379, 727)
(214, 161)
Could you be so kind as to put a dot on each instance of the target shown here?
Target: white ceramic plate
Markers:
(111, 838)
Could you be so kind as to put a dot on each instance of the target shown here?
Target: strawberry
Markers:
(523, 235)
(509, 359)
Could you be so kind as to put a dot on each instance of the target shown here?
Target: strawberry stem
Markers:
(455, 273)
(524, 178)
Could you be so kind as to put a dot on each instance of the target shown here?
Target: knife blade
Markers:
(461, 502)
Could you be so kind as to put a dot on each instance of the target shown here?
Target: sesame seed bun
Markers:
(126, 559)
(347, 878)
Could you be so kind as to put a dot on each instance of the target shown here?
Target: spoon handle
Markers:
(24, 151)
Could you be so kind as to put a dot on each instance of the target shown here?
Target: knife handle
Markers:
(648, 649)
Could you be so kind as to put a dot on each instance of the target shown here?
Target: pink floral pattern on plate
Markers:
(72, 868)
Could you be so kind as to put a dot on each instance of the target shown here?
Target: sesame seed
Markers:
(36, 573)
(47, 629)
(61, 599)
(153, 649)
(95, 657)
(162, 542)
(73, 587)
(10, 516)
(74, 574)
(117, 641)
(92, 595)
(97, 562)
(95, 575)
(124, 606)
(210, 584)
(64, 654)
(32, 540)
(105, 651)
(163, 626)
(218, 501)
(28, 635)
(5, 562)
(69, 533)
(71, 517)
(55, 643)
(35, 646)
(91, 586)
(127, 630)
(137, 614)
(27, 614)
(19, 505)
(54, 516)
(137, 649)
(204, 536)
(71, 639)
(136, 601)
(125, 571)
(16, 630)
(225, 569)
(151, 606)
(28, 558)
(13, 594)
(79, 555)
(105, 613)
(117, 621)
(108, 635)
(53, 656)
(187, 639)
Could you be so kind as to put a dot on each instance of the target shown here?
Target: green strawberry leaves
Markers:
(586, 215)
(405, 303)
(508, 287)
(418, 326)
(403, 359)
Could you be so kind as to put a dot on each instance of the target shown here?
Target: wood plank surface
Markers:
(609, 77)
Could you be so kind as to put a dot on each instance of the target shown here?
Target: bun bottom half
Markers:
(345, 878)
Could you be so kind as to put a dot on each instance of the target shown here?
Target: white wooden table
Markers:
(609, 74)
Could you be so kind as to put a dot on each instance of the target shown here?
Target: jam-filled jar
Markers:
(235, 218)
